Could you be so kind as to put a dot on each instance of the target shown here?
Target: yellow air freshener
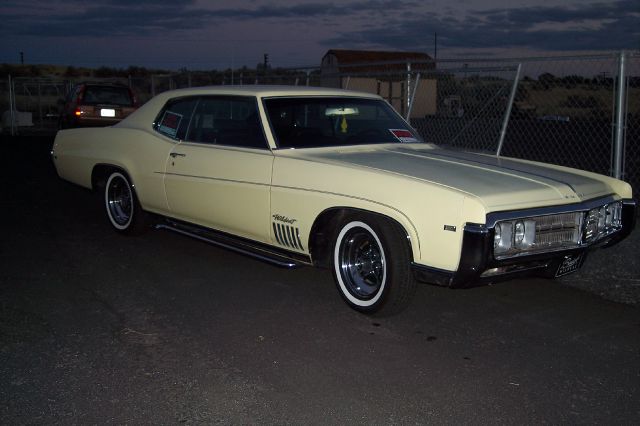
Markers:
(343, 125)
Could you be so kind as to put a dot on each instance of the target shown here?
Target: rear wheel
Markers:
(371, 266)
(122, 206)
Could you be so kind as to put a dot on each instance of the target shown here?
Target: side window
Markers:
(174, 118)
(227, 120)
(74, 93)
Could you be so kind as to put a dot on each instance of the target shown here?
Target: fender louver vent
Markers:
(287, 236)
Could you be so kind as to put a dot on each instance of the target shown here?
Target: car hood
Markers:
(500, 183)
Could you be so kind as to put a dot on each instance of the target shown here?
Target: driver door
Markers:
(219, 174)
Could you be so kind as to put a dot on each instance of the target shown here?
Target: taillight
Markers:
(78, 112)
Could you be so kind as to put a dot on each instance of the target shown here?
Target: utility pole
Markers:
(21, 58)
(435, 47)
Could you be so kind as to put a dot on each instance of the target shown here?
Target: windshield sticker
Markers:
(170, 123)
(403, 135)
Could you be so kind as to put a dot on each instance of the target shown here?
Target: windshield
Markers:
(299, 122)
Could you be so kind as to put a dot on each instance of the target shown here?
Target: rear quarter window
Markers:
(173, 120)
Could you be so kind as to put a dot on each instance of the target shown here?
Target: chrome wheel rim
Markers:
(119, 201)
(361, 263)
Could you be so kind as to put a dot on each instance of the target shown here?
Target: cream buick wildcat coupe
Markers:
(311, 176)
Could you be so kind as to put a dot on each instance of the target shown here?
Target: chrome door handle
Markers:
(177, 154)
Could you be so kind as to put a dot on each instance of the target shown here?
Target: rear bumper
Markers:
(478, 267)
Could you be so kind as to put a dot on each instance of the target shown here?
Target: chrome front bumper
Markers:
(478, 265)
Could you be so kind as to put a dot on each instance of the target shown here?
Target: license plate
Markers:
(569, 264)
(107, 112)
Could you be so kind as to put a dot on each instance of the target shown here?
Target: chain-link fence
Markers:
(163, 82)
(572, 111)
(31, 103)
(563, 110)
(470, 106)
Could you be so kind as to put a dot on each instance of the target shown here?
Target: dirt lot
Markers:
(99, 328)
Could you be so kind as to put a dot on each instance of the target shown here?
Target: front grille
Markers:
(558, 221)
(562, 229)
(551, 238)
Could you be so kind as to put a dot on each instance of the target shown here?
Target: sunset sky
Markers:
(199, 34)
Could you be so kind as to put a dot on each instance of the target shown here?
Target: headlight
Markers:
(502, 237)
(519, 234)
(608, 216)
(602, 218)
(602, 221)
(525, 234)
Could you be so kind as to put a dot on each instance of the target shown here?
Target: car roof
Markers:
(143, 117)
(101, 84)
(263, 91)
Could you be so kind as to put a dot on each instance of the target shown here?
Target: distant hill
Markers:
(60, 71)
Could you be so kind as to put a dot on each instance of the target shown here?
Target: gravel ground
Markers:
(612, 273)
(96, 328)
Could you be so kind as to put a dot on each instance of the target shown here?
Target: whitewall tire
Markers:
(371, 266)
(121, 205)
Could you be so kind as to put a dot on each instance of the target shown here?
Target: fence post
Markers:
(618, 143)
(408, 94)
(413, 97)
(40, 103)
(12, 114)
(507, 113)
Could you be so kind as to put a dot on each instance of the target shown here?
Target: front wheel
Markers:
(371, 266)
(122, 207)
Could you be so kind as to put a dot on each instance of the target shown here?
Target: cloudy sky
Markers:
(199, 34)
